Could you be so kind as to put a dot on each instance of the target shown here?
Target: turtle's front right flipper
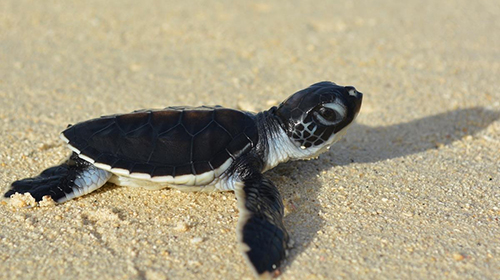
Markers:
(260, 227)
(71, 179)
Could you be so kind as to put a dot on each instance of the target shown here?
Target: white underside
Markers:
(214, 186)
(283, 149)
(209, 181)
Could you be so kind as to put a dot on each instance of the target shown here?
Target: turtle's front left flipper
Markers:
(261, 231)
(71, 179)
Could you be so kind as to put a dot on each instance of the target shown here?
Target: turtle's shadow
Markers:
(364, 144)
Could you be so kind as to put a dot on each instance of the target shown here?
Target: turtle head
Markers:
(316, 117)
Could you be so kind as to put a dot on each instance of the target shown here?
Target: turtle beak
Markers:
(356, 97)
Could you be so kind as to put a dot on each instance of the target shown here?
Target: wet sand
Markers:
(411, 192)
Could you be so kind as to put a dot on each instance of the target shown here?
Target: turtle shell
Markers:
(164, 144)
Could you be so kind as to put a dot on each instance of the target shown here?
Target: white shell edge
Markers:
(84, 157)
(61, 135)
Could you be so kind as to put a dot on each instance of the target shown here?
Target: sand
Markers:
(411, 192)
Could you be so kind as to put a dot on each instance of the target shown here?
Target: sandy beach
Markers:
(411, 192)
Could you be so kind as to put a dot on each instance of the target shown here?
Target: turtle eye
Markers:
(329, 114)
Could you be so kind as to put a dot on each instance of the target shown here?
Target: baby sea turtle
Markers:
(205, 149)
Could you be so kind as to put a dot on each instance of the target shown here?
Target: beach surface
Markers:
(411, 192)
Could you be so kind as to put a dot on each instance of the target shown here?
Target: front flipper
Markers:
(261, 231)
(71, 179)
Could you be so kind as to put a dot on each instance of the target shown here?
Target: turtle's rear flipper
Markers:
(71, 179)
(260, 227)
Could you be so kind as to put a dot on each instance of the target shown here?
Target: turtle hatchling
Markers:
(205, 149)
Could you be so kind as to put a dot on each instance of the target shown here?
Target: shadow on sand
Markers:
(364, 144)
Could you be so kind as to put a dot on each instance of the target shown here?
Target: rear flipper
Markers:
(71, 179)
(260, 227)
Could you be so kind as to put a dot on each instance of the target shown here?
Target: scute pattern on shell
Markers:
(170, 142)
